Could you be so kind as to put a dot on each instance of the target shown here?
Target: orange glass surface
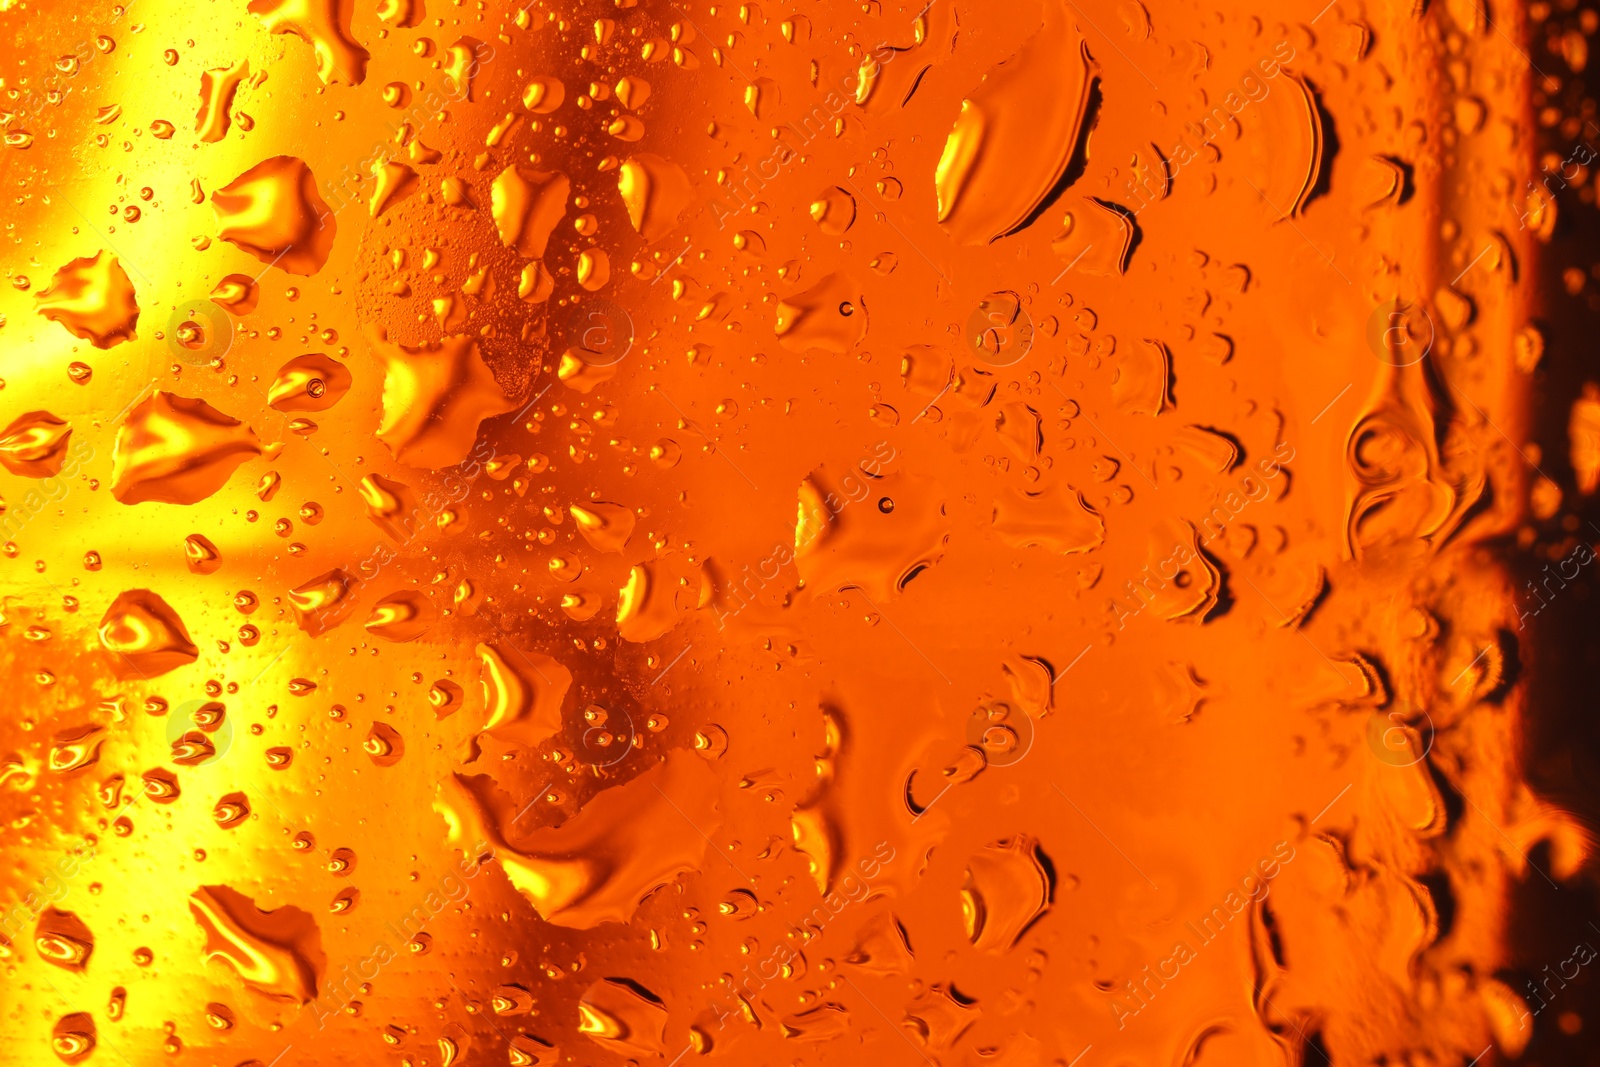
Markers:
(987, 533)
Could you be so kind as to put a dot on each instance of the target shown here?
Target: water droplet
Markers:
(624, 1017)
(274, 212)
(61, 938)
(145, 635)
(834, 211)
(34, 445)
(217, 88)
(434, 397)
(606, 527)
(312, 382)
(276, 952)
(823, 316)
(94, 299)
(73, 1037)
(231, 810)
(526, 206)
(655, 191)
(177, 450)
(384, 745)
(325, 26)
(1016, 134)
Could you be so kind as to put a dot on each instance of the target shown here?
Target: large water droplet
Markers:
(278, 952)
(1016, 134)
(177, 450)
(274, 212)
(93, 298)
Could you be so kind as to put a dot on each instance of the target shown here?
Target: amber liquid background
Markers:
(1176, 403)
